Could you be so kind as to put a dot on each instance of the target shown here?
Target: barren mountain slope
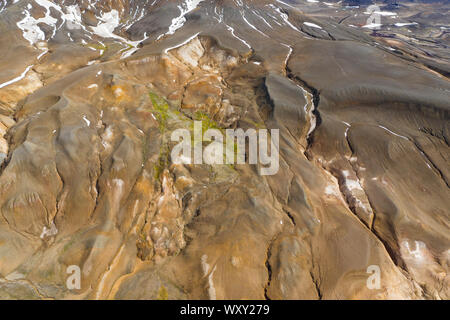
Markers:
(91, 92)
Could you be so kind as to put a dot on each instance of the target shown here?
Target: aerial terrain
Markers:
(92, 90)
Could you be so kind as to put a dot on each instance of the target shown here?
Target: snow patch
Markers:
(372, 26)
(206, 270)
(7, 83)
(313, 25)
(109, 22)
(49, 232)
(392, 132)
(86, 120)
(185, 8)
(234, 35)
(285, 18)
(181, 44)
(402, 24)
(417, 253)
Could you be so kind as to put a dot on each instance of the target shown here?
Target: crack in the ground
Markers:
(268, 268)
(316, 285)
(315, 280)
(316, 100)
(430, 161)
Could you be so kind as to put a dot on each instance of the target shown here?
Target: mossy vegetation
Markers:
(99, 46)
(127, 48)
(162, 293)
(162, 114)
(161, 108)
(108, 49)
(170, 119)
(207, 122)
(256, 125)
(163, 161)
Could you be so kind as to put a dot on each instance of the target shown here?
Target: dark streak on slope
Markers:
(435, 167)
(396, 259)
(316, 100)
(269, 269)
